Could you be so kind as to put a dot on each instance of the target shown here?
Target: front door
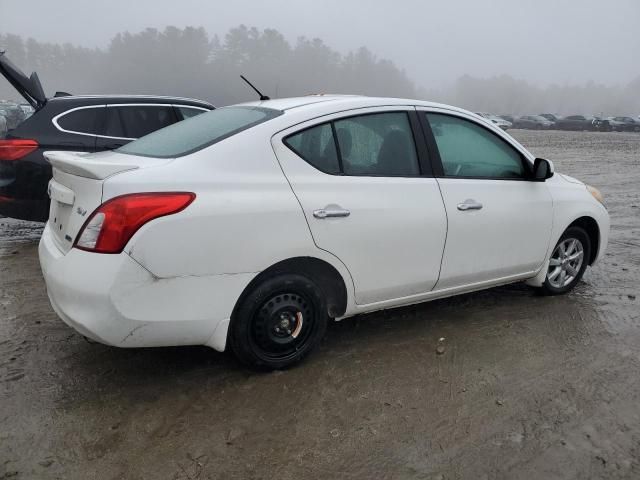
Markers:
(499, 219)
(369, 198)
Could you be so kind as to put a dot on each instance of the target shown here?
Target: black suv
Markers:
(88, 123)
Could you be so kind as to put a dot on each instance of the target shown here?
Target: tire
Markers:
(563, 274)
(279, 322)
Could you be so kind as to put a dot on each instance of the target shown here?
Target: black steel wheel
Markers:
(278, 322)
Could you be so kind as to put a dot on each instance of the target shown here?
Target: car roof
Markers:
(98, 99)
(332, 103)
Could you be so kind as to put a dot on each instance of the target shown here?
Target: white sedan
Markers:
(253, 225)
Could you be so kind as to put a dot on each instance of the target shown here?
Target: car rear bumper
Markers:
(114, 300)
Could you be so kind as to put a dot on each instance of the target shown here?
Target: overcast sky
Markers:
(543, 41)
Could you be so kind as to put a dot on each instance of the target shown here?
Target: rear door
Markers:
(499, 220)
(365, 186)
(126, 122)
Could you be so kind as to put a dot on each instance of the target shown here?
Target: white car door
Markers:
(499, 219)
(369, 198)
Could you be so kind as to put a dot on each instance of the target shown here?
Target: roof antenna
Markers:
(262, 97)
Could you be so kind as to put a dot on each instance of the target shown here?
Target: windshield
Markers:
(198, 132)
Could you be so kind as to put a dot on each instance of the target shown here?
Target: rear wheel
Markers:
(279, 322)
(568, 262)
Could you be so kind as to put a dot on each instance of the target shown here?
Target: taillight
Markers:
(16, 148)
(112, 225)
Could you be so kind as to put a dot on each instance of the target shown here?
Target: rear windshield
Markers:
(198, 132)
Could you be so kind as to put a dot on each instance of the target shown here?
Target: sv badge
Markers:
(81, 211)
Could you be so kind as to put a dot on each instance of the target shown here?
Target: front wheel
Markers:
(279, 322)
(568, 262)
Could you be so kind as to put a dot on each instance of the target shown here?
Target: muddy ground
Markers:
(529, 387)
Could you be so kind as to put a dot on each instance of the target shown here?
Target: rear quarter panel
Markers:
(245, 217)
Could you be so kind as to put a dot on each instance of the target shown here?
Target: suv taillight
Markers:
(112, 225)
(16, 148)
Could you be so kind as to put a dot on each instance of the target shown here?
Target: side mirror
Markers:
(542, 169)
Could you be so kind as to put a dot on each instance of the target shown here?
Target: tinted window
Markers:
(377, 144)
(140, 120)
(113, 124)
(317, 146)
(188, 112)
(469, 150)
(83, 120)
(199, 132)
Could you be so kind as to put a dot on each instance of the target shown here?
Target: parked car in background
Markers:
(88, 123)
(551, 117)
(582, 123)
(3, 123)
(508, 118)
(624, 124)
(27, 109)
(533, 122)
(13, 113)
(600, 124)
(500, 122)
(251, 226)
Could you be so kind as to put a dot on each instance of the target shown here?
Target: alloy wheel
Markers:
(565, 263)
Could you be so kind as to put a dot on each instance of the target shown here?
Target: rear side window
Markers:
(113, 126)
(135, 121)
(379, 144)
(316, 146)
(199, 132)
(81, 121)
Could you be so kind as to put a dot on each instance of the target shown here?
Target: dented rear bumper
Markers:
(113, 300)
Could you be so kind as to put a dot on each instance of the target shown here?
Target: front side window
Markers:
(379, 144)
(183, 138)
(80, 121)
(469, 150)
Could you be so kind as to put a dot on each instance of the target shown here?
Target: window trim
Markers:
(425, 168)
(437, 160)
(178, 107)
(55, 119)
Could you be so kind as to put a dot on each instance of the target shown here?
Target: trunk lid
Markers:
(29, 87)
(76, 188)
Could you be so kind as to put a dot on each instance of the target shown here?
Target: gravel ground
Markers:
(528, 387)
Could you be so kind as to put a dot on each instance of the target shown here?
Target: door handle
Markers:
(469, 204)
(331, 211)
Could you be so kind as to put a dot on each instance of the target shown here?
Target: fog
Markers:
(507, 57)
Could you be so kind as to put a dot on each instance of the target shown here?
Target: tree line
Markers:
(188, 62)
